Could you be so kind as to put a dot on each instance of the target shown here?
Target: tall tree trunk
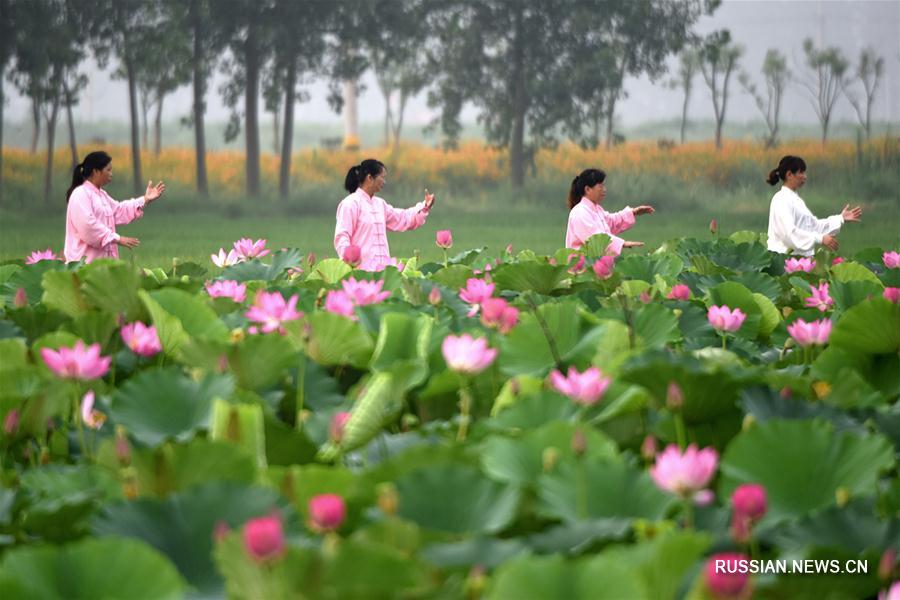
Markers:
(276, 130)
(198, 107)
(398, 126)
(157, 124)
(51, 135)
(73, 147)
(351, 130)
(684, 112)
(517, 144)
(145, 108)
(137, 176)
(251, 97)
(36, 122)
(610, 118)
(284, 172)
(2, 102)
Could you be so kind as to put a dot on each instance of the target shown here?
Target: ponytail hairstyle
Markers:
(95, 161)
(787, 164)
(587, 178)
(357, 175)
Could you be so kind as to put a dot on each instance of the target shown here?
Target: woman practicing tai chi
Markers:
(586, 218)
(92, 215)
(360, 236)
(793, 229)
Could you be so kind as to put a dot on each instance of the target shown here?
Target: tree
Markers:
(775, 73)
(345, 61)
(688, 62)
(868, 72)
(8, 40)
(718, 59)
(827, 81)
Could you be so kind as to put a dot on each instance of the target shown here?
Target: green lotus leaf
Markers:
(90, 569)
(366, 570)
(596, 245)
(579, 536)
(803, 465)
(769, 315)
(62, 292)
(484, 551)
(533, 411)
(526, 350)
(256, 270)
(113, 287)
(453, 277)
(29, 278)
(300, 483)
(850, 293)
(179, 316)
(854, 528)
(330, 270)
(522, 277)
(871, 327)
(457, 499)
(380, 402)
(161, 404)
(242, 425)
(291, 576)
(655, 326)
(402, 348)
(260, 361)
(646, 267)
(336, 340)
(851, 271)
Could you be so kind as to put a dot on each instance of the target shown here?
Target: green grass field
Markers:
(167, 232)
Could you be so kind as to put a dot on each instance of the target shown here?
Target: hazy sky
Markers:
(756, 24)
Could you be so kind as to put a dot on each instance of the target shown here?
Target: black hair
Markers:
(587, 178)
(95, 161)
(357, 175)
(787, 164)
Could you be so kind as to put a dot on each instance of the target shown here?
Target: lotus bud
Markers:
(748, 422)
(648, 448)
(123, 448)
(645, 298)
(388, 498)
(338, 423)
(434, 296)
(222, 363)
(549, 458)
(221, 531)
(326, 512)
(21, 298)
(786, 392)
(674, 397)
(310, 259)
(886, 565)
(713, 227)
(11, 422)
(264, 538)
(842, 496)
(579, 443)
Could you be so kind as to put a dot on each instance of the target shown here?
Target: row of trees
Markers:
(535, 70)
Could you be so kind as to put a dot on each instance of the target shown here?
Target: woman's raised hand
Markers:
(851, 214)
(154, 191)
(129, 242)
(630, 244)
(643, 209)
(429, 199)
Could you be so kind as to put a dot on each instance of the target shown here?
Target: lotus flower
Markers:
(11, 422)
(837, 260)
(395, 262)
(364, 292)
(724, 319)
(679, 292)
(340, 303)
(78, 362)
(246, 248)
(352, 255)
(468, 355)
(476, 292)
(141, 339)
(891, 259)
(684, 474)
(223, 260)
(444, 239)
(792, 265)
(578, 267)
(326, 512)
(583, 388)
(713, 226)
(21, 298)
(39, 255)
(497, 313)
(820, 298)
(603, 268)
(892, 294)
(338, 422)
(434, 296)
(749, 500)
(264, 538)
(271, 311)
(92, 418)
(237, 292)
(814, 333)
(648, 448)
(891, 594)
(726, 575)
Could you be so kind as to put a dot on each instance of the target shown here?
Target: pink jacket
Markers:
(362, 220)
(587, 219)
(91, 220)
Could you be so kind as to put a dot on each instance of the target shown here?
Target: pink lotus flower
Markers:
(395, 262)
(724, 319)
(434, 296)
(497, 313)
(338, 423)
(476, 292)
(444, 239)
(340, 303)
(603, 268)
(246, 248)
(892, 294)
(684, 474)
(237, 292)
(891, 259)
(582, 388)
(223, 260)
(814, 333)
(713, 226)
(326, 512)
(271, 311)
(820, 298)
(509, 249)
(11, 422)
(78, 362)
(141, 339)
(837, 260)
(891, 594)
(749, 500)
(21, 298)
(792, 265)
(39, 255)
(264, 538)
(467, 355)
(726, 575)
(352, 255)
(679, 292)
(364, 292)
(92, 418)
(578, 267)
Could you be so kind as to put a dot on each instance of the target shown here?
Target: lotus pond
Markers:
(498, 425)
